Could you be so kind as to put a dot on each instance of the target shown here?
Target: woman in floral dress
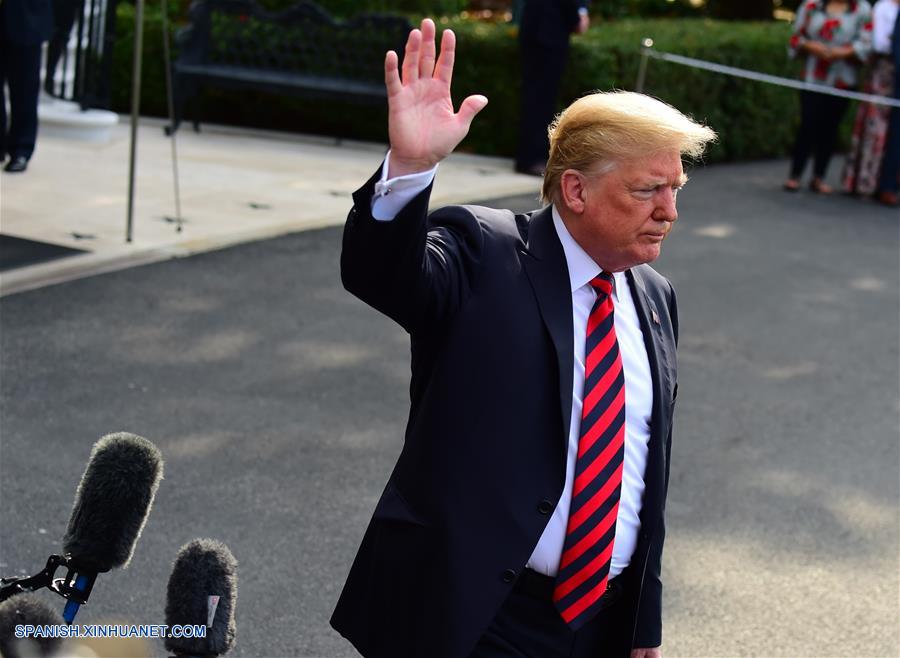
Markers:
(870, 129)
(834, 37)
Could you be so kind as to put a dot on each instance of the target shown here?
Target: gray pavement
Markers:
(279, 401)
(236, 185)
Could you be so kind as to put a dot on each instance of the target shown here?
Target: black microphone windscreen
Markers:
(203, 570)
(112, 501)
(27, 609)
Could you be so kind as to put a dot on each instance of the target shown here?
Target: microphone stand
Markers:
(75, 587)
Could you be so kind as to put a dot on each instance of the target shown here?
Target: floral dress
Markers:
(850, 28)
(863, 167)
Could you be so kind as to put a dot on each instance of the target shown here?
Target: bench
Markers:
(301, 51)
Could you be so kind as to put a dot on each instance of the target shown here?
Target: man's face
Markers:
(628, 211)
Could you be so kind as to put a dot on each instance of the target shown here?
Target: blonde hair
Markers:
(608, 127)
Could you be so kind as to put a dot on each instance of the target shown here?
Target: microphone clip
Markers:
(75, 586)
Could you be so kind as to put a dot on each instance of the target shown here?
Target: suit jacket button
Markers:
(545, 507)
(508, 576)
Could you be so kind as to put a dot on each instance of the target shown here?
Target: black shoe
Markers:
(16, 164)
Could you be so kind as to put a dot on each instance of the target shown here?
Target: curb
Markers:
(71, 268)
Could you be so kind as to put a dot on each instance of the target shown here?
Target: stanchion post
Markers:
(646, 46)
(135, 107)
(167, 61)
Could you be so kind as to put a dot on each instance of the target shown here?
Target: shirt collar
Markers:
(582, 267)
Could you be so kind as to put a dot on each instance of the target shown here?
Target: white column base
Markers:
(66, 119)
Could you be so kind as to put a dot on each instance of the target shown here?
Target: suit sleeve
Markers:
(649, 621)
(417, 270)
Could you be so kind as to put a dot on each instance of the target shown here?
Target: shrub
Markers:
(753, 119)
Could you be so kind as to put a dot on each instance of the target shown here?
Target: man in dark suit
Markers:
(524, 516)
(544, 31)
(24, 26)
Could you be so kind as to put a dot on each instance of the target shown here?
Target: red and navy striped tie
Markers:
(584, 566)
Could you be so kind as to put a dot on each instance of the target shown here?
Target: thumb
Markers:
(470, 107)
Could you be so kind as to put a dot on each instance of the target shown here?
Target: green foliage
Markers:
(153, 82)
(754, 120)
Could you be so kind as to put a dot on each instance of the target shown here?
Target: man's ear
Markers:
(572, 191)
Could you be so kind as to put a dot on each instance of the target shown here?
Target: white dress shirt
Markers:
(391, 195)
(638, 407)
(884, 15)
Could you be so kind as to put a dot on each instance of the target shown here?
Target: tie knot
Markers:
(603, 283)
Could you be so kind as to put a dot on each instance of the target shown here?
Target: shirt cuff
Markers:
(392, 194)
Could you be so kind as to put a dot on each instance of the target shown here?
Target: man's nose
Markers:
(665, 207)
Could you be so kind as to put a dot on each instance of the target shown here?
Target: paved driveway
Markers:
(279, 403)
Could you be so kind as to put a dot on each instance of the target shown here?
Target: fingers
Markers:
(392, 74)
(420, 53)
(426, 60)
(444, 69)
(411, 57)
(470, 107)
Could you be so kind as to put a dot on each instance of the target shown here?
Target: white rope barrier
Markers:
(647, 51)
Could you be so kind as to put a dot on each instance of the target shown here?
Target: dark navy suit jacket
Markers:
(486, 299)
(27, 22)
(550, 22)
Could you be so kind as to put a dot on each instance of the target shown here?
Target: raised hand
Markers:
(422, 125)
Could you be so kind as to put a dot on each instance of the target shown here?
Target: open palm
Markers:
(422, 125)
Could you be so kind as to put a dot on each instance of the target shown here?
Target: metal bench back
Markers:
(300, 39)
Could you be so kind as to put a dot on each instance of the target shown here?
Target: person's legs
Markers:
(4, 62)
(64, 14)
(831, 111)
(604, 637)
(529, 625)
(889, 182)
(23, 71)
(805, 135)
(542, 70)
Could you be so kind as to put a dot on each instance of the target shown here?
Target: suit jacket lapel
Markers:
(662, 391)
(545, 264)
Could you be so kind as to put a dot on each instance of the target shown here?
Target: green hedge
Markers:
(754, 120)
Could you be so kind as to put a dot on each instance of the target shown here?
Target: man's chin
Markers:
(626, 260)
(649, 254)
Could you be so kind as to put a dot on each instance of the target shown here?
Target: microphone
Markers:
(202, 591)
(27, 610)
(112, 502)
(111, 506)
